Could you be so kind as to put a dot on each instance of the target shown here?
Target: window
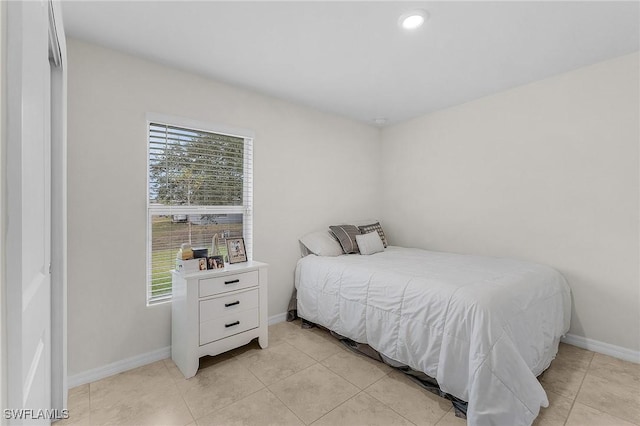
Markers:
(199, 185)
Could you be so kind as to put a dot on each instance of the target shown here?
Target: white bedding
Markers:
(483, 327)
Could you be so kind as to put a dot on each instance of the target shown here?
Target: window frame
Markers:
(246, 209)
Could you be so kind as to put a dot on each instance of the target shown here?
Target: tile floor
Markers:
(307, 377)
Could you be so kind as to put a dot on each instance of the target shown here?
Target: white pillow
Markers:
(370, 243)
(322, 243)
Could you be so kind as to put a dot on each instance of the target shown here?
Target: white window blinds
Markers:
(199, 185)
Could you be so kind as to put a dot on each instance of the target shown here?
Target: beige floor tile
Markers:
(82, 389)
(316, 343)
(360, 370)
(615, 370)
(253, 345)
(581, 415)
(326, 335)
(145, 395)
(148, 410)
(208, 361)
(565, 381)
(556, 413)
(204, 362)
(260, 408)
(610, 397)
(79, 407)
(162, 405)
(275, 362)
(313, 392)
(408, 399)
(279, 332)
(570, 356)
(217, 386)
(362, 409)
(450, 419)
(310, 374)
(174, 372)
(127, 385)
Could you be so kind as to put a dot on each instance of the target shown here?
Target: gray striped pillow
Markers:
(346, 235)
(365, 229)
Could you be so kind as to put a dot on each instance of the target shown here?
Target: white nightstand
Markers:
(217, 310)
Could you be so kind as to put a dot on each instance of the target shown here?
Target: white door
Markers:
(29, 210)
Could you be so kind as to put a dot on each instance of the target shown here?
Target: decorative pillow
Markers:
(365, 229)
(322, 243)
(369, 243)
(346, 235)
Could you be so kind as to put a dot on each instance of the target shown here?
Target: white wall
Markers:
(546, 172)
(310, 169)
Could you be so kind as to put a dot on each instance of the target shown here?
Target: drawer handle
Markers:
(232, 324)
(231, 282)
(237, 302)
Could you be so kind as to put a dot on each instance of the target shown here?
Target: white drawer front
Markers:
(224, 305)
(211, 286)
(228, 325)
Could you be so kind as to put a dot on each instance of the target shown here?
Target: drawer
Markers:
(216, 285)
(228, 325)
(224, 305)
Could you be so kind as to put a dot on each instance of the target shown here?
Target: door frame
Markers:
(13, 14)
(3, 205)
(57, 44)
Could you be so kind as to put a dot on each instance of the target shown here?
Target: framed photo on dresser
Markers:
(236, 250)
(215, 262)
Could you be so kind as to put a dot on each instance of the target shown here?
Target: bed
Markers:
(483, 327)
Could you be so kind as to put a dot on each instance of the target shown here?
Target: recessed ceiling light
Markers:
(380, 121)
(414, 19)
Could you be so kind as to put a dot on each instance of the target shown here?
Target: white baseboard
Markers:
(602, 348)
(118, 367)
(136, 361)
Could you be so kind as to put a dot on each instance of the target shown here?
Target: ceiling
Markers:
(352, 58)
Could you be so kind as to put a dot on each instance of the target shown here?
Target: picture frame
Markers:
(215, 262)
(236, 250)
(202, 263)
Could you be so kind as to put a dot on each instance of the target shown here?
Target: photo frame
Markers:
(202, 263)
(236, 250)
(215, 262)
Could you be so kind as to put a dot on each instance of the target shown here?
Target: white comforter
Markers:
(483, 327)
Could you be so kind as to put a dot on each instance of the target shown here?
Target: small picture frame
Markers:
(215, 262)
(202, 263)
(236, 250)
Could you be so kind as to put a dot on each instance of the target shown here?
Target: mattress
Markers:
(483, 327)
